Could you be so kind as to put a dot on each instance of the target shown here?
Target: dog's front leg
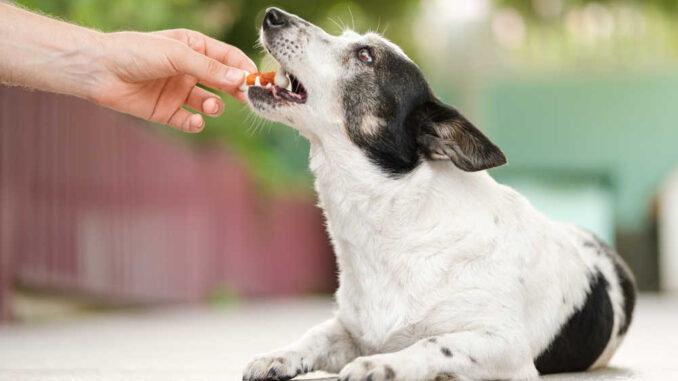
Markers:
(460, 356)
(327, 346)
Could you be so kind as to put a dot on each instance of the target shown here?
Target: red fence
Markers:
(93, 202)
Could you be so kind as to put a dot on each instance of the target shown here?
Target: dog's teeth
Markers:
(257, 81)
(268, 85)
(281, 79)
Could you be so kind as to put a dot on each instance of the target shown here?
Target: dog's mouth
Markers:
(292, 90)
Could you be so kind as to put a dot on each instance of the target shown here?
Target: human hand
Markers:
(152, 75)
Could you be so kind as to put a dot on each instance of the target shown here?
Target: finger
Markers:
(208, 71)
(231, 56)
(185, 121)
(204, 101)
(227, 54)
(240, 96)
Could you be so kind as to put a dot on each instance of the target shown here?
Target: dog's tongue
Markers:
(278, 78)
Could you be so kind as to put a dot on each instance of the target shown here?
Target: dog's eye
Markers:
(365, 55)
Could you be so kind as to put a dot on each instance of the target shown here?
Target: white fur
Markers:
(438, 253)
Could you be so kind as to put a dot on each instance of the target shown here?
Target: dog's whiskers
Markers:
(352, 18)
(341, 29)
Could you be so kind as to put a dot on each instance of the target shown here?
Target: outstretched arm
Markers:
(148, 75)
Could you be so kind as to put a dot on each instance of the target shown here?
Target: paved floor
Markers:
(214, 344)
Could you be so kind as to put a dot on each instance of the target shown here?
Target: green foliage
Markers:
(233, 21)
(274, 153)
(596, 34)
(527, 8)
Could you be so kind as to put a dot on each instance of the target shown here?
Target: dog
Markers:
(443, 272)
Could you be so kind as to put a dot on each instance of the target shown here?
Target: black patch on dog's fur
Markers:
(626, 281)
(446, 351)
(390, 89)
(416, 124)
(628, 285)
(584, 335)
(389, 373)
(446, 376)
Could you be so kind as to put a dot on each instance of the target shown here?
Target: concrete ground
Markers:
(215, 344)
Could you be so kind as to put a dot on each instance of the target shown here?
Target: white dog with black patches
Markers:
(444, 273)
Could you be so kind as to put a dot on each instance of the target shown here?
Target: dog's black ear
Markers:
(446, 135)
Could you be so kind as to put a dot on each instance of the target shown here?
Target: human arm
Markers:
(148, 75)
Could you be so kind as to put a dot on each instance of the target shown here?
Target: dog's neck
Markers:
(358, 197)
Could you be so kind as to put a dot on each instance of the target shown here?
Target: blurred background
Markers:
(100, 211)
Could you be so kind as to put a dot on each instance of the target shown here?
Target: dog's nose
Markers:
(275, 18)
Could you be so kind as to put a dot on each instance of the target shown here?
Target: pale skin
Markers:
(148, 75)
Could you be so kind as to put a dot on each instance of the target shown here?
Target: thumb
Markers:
(208, 71)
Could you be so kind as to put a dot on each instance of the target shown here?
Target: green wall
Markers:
(619, 130)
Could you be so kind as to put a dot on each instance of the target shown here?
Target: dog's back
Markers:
(594, 330)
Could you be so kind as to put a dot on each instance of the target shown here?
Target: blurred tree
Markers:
(527, 8)
(586, 33)
(234, 21)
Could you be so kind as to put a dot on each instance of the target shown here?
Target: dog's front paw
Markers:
(370, 368)
(277, 366)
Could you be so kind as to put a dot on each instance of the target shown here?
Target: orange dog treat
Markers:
(264, 78)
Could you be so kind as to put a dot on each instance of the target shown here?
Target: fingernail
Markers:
(196, 123)
(243, 86)
(234, 76)
(252, 62)
(211, 106)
